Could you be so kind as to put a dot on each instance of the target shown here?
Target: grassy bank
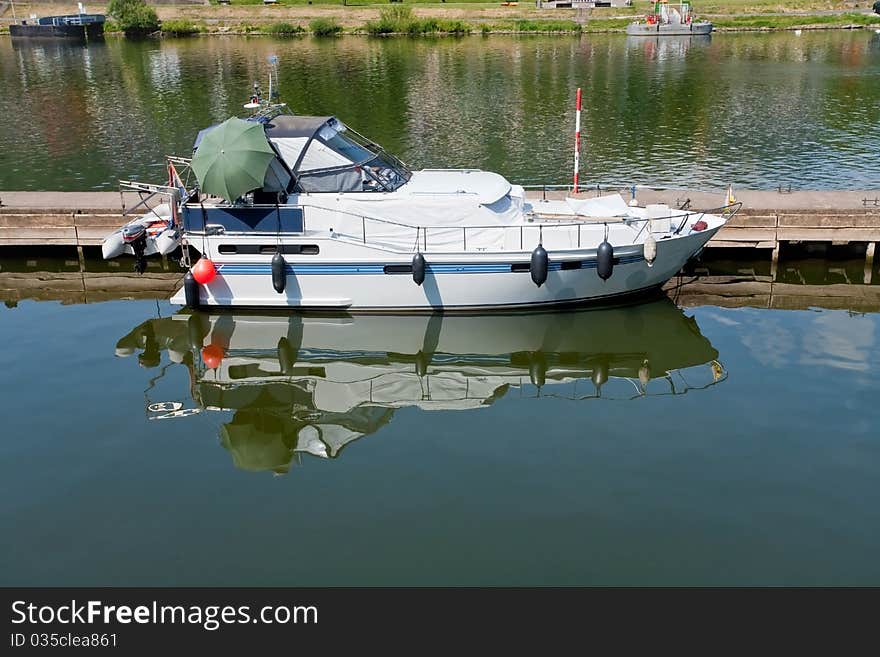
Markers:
(441, 26)
(418, 18)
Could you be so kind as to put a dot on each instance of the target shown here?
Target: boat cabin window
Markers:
(338, 159)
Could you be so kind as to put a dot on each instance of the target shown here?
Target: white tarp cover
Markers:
(611, 205)
(441, 391)
(290, 148)
(478, 200)
(441, 221)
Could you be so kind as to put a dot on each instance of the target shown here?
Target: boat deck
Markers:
(36, 219)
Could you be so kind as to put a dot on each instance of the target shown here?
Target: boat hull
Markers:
(67, 32)
(453, 282)
(658, 29)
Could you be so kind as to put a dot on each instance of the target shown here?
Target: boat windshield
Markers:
(338, 159)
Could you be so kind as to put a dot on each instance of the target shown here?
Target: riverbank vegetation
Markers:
(400, 25)
(134, 17)
(325, 27)
(417, 18)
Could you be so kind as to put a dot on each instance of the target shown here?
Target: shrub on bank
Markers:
(392, 20)
(134, 17)
(285, 29)
(180, 27)
(400, 20)
(325, 27)
(546, 26)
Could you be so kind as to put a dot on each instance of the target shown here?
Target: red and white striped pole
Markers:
(577, 141)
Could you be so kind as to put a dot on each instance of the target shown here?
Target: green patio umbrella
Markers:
(232, 159)
(257, 440)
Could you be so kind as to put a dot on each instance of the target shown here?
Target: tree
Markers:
(134, 17)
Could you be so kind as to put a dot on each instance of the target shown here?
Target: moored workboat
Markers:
(667, 21)
(80, 26)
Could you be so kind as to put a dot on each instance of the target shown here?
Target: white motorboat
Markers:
(317, 216)
(311, 384)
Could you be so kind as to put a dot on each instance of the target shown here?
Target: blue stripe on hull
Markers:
(464, 268)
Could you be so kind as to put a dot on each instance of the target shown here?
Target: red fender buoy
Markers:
(204, 271)
(212, 356)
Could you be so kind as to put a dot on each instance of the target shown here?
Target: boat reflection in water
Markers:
(313, 384)
(662, 48)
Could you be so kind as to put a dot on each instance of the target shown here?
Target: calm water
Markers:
(637, 445)
(754, 110)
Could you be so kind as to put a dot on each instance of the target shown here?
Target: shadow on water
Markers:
(718, 277)
(806, 276)
(300, 384)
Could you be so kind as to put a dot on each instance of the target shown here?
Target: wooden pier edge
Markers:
(766, 220)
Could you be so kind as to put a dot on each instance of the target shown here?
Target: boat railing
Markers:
(421, 233)
(479, 237)
(611, 186)
(148, 192)
(173, 194)
(677, 380)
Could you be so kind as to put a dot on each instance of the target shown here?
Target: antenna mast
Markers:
(273, 78)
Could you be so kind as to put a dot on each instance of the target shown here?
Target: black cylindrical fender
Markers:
(279, 275)
(600, 373)
(287, 354)
(423, 361)
(418, 268)
(538, 369)
(539, 265)
(191, 290)
(605, 260)
(197, 328)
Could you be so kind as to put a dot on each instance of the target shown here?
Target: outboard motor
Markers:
(136, 237)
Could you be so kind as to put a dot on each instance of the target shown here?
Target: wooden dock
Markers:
(34, 219)
(764, 292)
(86, 287)
(767, 220)
(73, 287)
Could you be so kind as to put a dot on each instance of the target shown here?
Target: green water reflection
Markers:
(313, 384)
(756, 110)
(464, 470)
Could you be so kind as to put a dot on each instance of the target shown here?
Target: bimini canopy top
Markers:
(325, 155)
